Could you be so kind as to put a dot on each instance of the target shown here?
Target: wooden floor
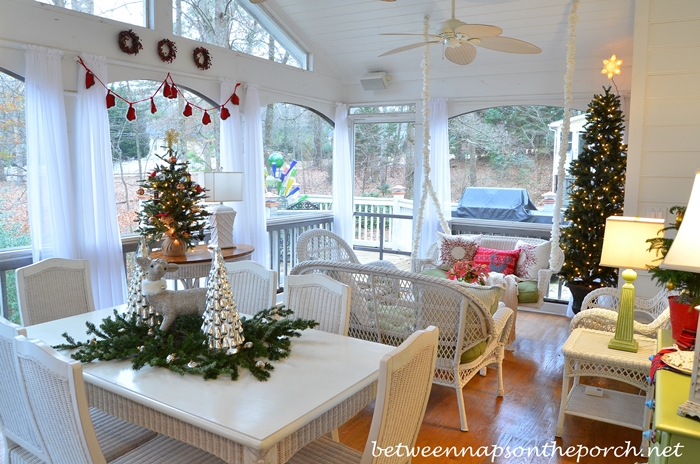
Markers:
(526, 415)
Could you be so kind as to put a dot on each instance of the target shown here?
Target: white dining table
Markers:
(325, 381)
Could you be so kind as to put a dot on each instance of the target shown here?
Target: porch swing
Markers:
(556, 256)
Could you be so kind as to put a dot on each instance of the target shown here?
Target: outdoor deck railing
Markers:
(382, 225)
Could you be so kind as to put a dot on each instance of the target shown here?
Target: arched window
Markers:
(299, 143)
(137, 144)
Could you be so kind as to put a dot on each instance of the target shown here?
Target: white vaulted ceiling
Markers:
(345, 35)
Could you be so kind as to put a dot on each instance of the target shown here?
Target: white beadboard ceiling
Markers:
(345, 35)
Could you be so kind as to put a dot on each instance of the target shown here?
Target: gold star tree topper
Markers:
(171, 138)
(611, 67)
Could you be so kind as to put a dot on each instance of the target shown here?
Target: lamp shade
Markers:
(684, 254)
(625, 242)
(222, 186)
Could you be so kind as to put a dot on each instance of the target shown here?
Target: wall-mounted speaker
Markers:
(375, 81)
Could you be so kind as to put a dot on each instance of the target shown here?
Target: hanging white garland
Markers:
(566, 129)
(427, 189)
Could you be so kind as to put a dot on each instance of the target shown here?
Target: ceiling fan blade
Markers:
(409, 34)
(478, 30)
(408, 47)
(462, 54)
(508, 45)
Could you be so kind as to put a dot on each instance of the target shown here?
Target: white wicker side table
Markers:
(586, 353)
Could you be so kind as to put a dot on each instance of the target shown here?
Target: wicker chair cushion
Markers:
(527, 292)
(532, 258)
(453, 248)
(474, 352)
(502, 261)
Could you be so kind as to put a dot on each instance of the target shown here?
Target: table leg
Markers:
(564, 398)
(647, 419)
(253, 456)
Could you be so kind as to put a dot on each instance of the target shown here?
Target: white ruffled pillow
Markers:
(453, 248)
(532, 258)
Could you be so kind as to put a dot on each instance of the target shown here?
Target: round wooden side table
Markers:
(196, 263)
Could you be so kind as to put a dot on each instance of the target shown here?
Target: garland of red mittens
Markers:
(170, 90)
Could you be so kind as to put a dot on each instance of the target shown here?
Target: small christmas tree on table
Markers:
(596, 193)
(172, 212)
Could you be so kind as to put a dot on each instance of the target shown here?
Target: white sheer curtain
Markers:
(231, 156)
(97, 226)
(439, 174)
(343, 176)
(50, 187)
(250, 226)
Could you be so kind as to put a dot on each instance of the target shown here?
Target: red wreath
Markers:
(129, 42)
(167, 51)
(202, 58)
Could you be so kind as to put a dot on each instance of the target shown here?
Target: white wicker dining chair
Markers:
(254, 287)
(55, 394)
(599, 311)
(405, 380)
(318, 297)
(52, 289)
(116, 437)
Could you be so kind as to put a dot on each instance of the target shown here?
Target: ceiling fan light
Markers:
(452, 42)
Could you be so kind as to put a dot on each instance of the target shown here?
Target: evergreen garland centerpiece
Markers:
(172, 212)
(597, 192)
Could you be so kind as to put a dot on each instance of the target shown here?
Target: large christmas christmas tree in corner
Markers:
(597, 192)
(172, 211)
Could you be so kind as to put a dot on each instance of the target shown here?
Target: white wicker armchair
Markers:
(599, 311)
(52, 289)
(324, 244)
(388, 305)
(403, 391)
(54, 392)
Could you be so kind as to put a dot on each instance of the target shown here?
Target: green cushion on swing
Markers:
(527, 292)
(439, 273)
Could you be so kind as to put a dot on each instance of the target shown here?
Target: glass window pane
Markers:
(299, 143)
(14, 216)
(230, 25)
(383, 109)
(126, 11)
(137, 144)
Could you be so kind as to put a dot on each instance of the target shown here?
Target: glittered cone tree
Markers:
(173, 212)
(597, 192)
(136, 302)
(221, 322)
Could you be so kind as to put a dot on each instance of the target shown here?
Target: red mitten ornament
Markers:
(188, 110)
(166, 90)
(131, 113)
(173, 91)
(225, 114)
(206, 119)
(153, 106)
(111, 101)
(89, 79)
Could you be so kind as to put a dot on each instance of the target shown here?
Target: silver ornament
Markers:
(260, 364)
(151, 333)
(248, 345)
(93, 341)
(170, 358)
(140, 348)
(192, 364)
(122, 330)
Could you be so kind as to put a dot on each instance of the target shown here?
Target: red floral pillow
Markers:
(502, 261)
(455, 248)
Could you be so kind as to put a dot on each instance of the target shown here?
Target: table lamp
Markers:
(625, 246)
(684, 255)
(222, 186)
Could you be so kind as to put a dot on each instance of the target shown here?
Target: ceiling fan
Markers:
(459, 39)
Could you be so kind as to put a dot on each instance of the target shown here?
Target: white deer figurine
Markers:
(171, 304)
